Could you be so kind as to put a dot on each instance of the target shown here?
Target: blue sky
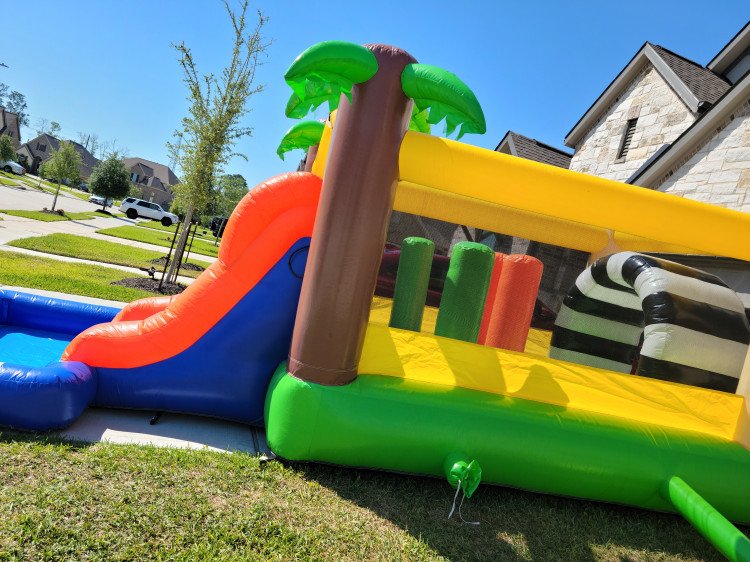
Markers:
(107, 66)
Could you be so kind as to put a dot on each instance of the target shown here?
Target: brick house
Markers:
(9, 126)
(37, 151)
(154, 180)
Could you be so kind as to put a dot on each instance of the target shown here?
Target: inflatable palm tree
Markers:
(373, 87)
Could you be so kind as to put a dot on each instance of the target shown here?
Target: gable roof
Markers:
(88, 161)
(731, 51)
(696, 86)
(670, 155)
(705, 85)
(531, 149)
(164, 173)
(9, 124)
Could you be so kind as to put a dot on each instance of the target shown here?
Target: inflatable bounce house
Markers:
(638, 396)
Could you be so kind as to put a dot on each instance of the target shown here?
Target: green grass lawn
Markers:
(8, 181)
(96, 250)
(22, 270)
(156, 225)
(51, 217)
(159, 238)
(115, 502)
(50, 187)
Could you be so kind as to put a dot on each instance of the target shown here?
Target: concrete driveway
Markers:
(28, 199)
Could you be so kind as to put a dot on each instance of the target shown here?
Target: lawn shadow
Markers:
(39, 438)
(82, 223)
(514, 524)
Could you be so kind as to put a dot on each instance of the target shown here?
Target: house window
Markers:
(134, 177)
(627, 136)
(41, 147)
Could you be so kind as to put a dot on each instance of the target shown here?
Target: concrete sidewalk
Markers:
(170, 430)
(134, 270)
(15, 228)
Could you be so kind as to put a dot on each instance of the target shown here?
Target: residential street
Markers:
(14, 228)
(33, 200)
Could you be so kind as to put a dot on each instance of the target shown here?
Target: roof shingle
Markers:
(705, 85)
(532, 149)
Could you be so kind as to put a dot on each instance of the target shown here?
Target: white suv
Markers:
(10, 166)
(134, 208)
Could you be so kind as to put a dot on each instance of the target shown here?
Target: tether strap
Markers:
(453, 507)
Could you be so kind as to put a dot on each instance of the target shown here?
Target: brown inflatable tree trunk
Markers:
(312, 153)
(350, 228)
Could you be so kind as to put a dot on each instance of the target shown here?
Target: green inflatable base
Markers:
(392, 424)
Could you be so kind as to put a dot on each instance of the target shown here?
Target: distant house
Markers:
(153, 179)
(9, 126)
(36, 152)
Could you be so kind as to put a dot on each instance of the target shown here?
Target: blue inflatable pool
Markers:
(37, 390)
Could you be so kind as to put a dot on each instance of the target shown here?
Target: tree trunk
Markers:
(180, 249)
(312, 153)
(355, 206)
(54, 201)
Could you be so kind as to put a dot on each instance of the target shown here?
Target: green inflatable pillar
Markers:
(412, 280)
(710, 523)
(464, 293)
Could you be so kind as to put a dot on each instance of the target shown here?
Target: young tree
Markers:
(212, 127)
(16, 103)
(64, 166)
(42, 126)
(110, 179)
(230, 189)
(225, 195)
(90, 141)
(7, 151)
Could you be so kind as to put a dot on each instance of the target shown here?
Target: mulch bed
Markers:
(189, 266)
(152, 285)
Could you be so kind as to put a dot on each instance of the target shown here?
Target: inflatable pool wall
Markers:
(42, 393)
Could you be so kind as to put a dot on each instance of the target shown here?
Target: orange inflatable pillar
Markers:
(513, 303)
(491, 292)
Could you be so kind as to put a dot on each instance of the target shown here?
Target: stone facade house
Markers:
(673, 125)
(36, 152)
(154, 180)
(9, 126)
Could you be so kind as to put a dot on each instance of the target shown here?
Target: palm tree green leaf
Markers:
(418, 121)
(445, 96)
(301, 135)
(316, 94)
(327, 70)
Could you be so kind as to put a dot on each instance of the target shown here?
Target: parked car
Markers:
(83, 187)
(543, 317)
(99, 200)
(10, 166)
(134, 208)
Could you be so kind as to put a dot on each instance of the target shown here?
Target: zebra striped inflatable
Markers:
(694, 328)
